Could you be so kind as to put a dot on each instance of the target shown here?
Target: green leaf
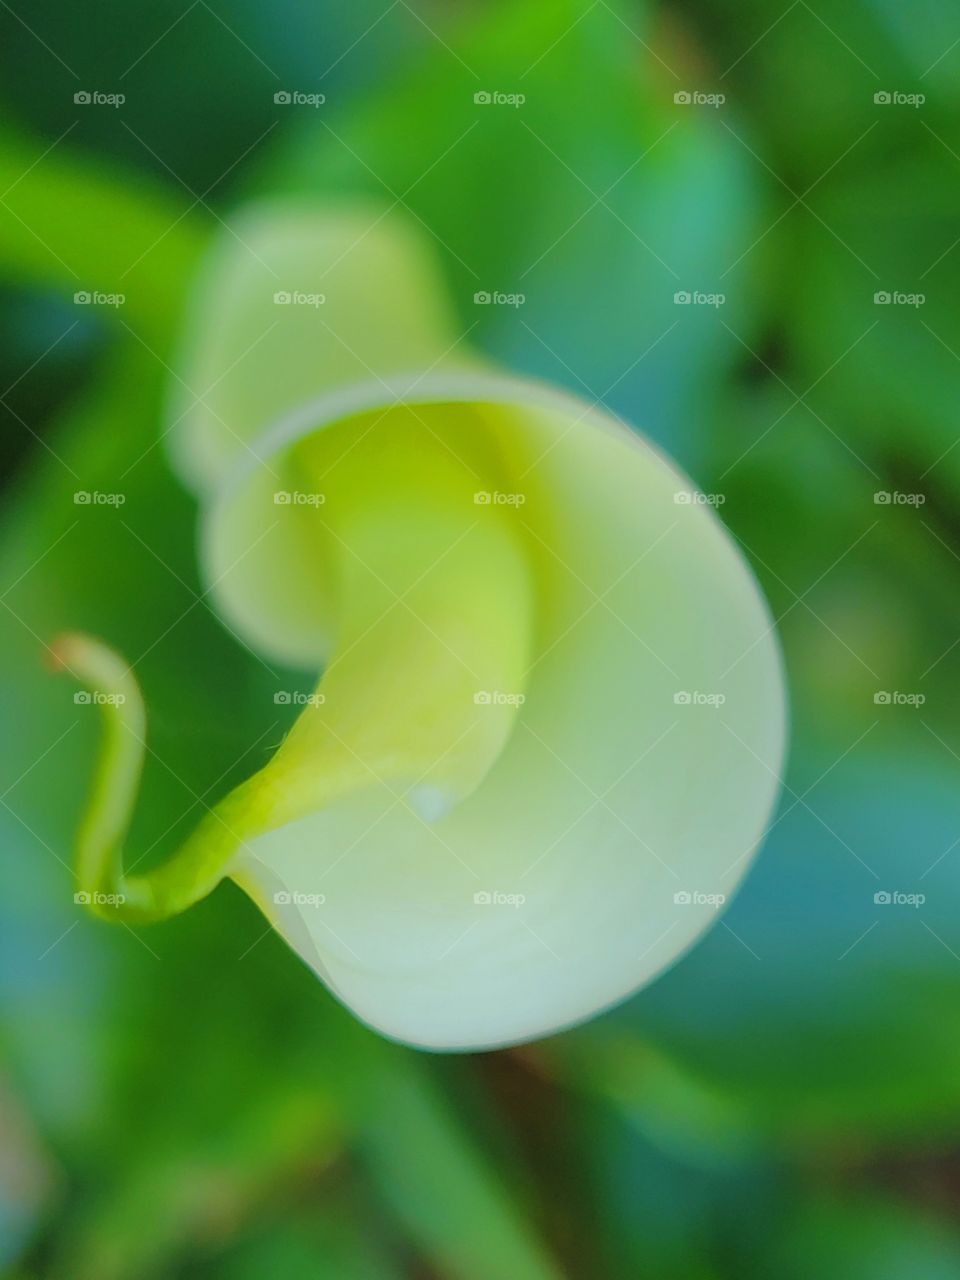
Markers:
(68, 222)
(444, 1192)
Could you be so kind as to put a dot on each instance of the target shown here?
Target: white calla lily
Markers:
(548, 734)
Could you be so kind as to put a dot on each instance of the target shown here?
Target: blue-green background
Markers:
(187, 1100)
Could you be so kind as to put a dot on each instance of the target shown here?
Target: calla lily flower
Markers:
(547, 728)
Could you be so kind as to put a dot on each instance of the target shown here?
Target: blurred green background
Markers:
(187, 1100)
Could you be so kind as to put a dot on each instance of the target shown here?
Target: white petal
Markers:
(293, 301)
(611, 799)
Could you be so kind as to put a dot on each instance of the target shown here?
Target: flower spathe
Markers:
(548, 733)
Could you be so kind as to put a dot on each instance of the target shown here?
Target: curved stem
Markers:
(200, 863)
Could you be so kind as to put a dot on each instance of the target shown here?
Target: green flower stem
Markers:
(201, 862)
